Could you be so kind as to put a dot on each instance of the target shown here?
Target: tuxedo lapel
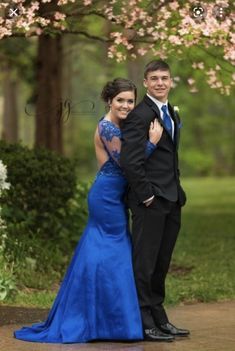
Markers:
(154, 107)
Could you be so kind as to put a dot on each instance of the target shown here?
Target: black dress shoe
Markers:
(170, 329)
(155, 334)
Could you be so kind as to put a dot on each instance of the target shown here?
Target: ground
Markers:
(212, 328)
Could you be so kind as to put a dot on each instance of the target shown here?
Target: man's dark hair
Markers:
(156, 65)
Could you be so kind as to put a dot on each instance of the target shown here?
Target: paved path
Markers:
(212, 329)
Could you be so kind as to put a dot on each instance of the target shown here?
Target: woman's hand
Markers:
(155, 131)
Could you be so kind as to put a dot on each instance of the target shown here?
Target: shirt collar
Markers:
(157, 102)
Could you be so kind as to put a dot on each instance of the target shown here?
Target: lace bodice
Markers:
(111, 136)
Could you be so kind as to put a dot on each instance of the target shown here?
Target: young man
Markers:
(155, 198)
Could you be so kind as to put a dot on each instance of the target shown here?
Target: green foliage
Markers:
(32, 298)
(36, 208)
(7, 279)
(7, 285)
(207, 145)
(196, 162)
(19, 53)
(205, 248)
(77, 212)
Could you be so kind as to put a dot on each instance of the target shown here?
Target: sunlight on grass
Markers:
(206, 243)
(40, 299)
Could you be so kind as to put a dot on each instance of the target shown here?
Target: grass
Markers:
(203, 261)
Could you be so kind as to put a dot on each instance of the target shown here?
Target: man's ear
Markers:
(145, 84)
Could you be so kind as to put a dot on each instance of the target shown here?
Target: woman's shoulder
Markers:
(108, 129)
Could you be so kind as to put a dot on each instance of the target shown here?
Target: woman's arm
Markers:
(110, 136)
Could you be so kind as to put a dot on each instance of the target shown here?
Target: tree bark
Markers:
(69, 123)
(49, 107)
(135, 71)
(10, 108)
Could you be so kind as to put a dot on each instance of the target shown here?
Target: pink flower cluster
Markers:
(161, 28)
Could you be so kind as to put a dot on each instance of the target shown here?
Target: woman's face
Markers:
(122, 104)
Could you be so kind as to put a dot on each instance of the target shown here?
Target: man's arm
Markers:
(132, 157)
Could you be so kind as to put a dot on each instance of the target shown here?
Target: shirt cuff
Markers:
(150, 198)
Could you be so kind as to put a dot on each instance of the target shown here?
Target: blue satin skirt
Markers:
(97, 299)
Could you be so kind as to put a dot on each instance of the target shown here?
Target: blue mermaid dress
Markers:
(97, 299)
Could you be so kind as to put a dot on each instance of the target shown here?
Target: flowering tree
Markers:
(163, 28)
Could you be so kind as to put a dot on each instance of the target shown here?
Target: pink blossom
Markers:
(59, 16)
(129, 46)
(174, 39)
(191, 81)
(38, 31)
(174, 5)
(193, 90)
(87, 2)
(142, 51)
(141, 32)
(201, 65)
(133, 21)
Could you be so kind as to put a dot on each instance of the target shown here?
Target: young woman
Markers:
(97, 299)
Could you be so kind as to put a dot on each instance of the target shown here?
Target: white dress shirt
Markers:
(159, 105)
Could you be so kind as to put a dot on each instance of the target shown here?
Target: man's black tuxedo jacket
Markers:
(157, 174)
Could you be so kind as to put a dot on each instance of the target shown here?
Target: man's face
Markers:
(158, 84)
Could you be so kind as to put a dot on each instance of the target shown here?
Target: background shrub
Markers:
(45, 211)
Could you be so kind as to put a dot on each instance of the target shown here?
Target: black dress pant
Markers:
(154, 233)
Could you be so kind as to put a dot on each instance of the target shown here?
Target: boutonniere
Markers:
(176, 109)
(176, 112)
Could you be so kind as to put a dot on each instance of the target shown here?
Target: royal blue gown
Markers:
(97, 299)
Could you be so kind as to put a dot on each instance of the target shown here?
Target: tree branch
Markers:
(83, 14)
(87, 35)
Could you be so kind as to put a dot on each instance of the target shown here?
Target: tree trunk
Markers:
(10, 109)
(49, 106)
(69, 123)
(135, 71)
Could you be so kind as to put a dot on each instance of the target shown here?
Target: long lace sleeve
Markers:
(111, 138)
(149, 148)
